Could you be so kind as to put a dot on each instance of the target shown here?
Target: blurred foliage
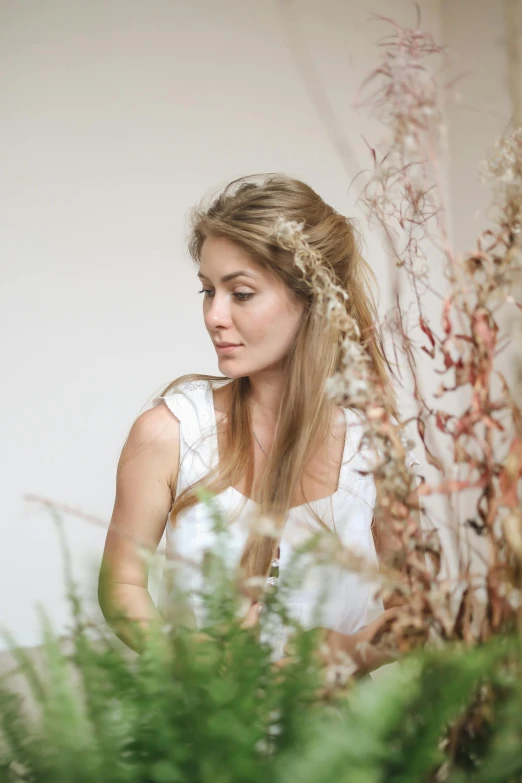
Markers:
(212, 707)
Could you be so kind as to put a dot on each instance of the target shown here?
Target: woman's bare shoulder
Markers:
(157, 425)
(153, 443)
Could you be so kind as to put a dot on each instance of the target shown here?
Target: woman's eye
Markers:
(241, 296)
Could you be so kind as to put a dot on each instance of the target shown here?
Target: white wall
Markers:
(474, 31)
(115, 119)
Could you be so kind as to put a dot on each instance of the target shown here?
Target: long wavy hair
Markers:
(245, 212)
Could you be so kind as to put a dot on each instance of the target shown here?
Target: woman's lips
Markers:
(226, 349)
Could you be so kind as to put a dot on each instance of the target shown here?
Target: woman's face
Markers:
(246, 306)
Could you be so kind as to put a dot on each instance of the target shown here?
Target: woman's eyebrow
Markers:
(231, 275)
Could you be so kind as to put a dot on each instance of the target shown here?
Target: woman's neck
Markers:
(265, 397)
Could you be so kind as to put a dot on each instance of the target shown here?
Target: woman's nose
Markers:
(218, 312)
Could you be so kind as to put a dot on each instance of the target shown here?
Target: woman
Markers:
(264, 435)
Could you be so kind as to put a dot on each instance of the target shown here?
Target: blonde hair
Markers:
(245, 212)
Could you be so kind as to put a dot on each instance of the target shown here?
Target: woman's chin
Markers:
(230, 368)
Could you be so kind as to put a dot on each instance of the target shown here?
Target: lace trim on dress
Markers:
(188, 409)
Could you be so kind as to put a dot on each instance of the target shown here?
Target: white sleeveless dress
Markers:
(347, 601)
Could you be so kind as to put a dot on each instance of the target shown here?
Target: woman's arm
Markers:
(147, 471)
(359, 646)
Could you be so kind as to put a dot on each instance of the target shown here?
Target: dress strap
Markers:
(189, 404)
(352, 459)
(357, 457)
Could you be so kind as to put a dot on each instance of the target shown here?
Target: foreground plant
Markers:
(211, 706)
